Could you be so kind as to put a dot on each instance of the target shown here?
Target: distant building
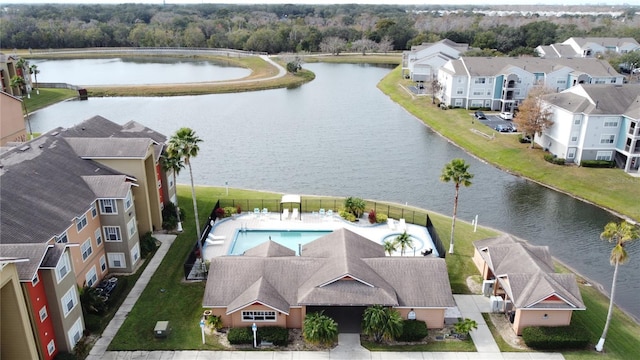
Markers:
(588, 47)
(501, 83)
(12, 129)
(595, 122)
(422, 63)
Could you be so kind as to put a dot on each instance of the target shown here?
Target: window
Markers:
(258, 316)
(63, 268)
(577, 121)
(35, 280)
(480, 80)
(62, 238)
(159, 184)
(574, 138)
(458, 102)
(98, 235)
(131, 227)
(81, 222)
(603, 155)
(112, 233)
(611, 123)
(562, 82)
(127, 201)
(607, 139)
(459, 91)
(43, 313)
(94, 211)
(69, 300)
(116, 260)
(108, 206)
(86, 249)
(51, 347)
(613, 80)
(599, 81)
(478, 92)
(572, 153)
(135, 253)
(75, 333)
(91, 277)
(103, 264)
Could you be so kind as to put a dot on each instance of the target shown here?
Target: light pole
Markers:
(254, 328)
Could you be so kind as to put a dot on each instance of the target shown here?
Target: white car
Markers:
(506, 115)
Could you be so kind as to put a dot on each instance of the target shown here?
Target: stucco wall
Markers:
(12, 125)
(526, 317)
(433, 317)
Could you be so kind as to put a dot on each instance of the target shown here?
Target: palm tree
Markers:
(184, 145)
(319, 328)
(171, 161)
(620, 234)
(381, 323)
(456, 171)
(404, 241)
(389, 247)
(33, 69)
(19, 83)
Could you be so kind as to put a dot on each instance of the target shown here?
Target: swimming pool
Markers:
(246, 239)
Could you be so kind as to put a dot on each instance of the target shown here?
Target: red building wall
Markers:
(159, 181)
(44, 329)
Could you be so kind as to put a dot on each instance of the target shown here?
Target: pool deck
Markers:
(225, 230)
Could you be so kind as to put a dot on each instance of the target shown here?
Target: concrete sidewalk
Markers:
(100, 347)
(472, 307)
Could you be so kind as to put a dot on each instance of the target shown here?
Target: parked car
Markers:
(479, 115)
(506, 115)
(503, 128)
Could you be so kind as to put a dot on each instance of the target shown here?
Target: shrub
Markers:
(170, 217)
(372, 216)
(215, 322)
(524, 139)
(551, 338)
(553, 159)
(347, 215)
(597, 163)
(238, 336)
(230, 210)
(276, 335)
(238, 210)
(319, 328)
(147, 244)
(381, 218)
(220, 213)
(413, 330)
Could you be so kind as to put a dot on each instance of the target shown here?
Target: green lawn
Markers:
(47, 97)
(609, 188)
(168, 297)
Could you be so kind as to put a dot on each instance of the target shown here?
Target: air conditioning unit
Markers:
(508, 305)
(497, 304)
(487, 287)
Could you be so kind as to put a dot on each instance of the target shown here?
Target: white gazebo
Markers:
(289, 198)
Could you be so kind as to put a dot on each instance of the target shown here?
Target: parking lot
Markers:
(496, 123)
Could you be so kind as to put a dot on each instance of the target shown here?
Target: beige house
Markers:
(12, 127)
(521, 280)
(341, 274)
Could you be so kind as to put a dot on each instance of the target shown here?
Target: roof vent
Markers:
(25, 148)
(55, 133)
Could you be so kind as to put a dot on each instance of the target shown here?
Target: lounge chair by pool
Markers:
(294, 214)
(285, 214)
(321, 212)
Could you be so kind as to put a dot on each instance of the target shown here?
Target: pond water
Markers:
(339, 135)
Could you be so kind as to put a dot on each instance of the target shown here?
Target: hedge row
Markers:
(553, 338)
(553, 159)
(413, 330)
(276, 335)
(598, 163)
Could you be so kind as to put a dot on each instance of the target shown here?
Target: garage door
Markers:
(349, 318)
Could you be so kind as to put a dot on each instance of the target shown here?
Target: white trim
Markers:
(81, 222)
(103, 264)
(275, 316)
(51, 347)
(108, 203)
(70, 297)
(64, 260)
(84, 248)
(91, 277)
(107, 233)
(42, 313)
(75, 330)
(113, 257)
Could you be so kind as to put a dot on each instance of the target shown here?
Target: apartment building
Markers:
(588, 47)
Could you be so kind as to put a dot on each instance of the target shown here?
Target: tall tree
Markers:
(389, 247)
(18, 83)
(456, 171)
(436, 86)
(184, 145)
(620, 234)
(172, 162)
(381, 323)
(403, 241)
(33, 69)
(533, 116)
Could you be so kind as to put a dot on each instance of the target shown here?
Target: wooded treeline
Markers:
(291, 28)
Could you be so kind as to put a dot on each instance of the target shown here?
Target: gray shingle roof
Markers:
(38, 255)
(600, 99)
(108, 186)
(269, 248)
(32, 211)
(492, 66)
(99, 127)
(341, 268)
(604, 41)
(110, 147)
(527, 274)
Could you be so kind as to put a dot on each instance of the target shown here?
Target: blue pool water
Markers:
(246, 239)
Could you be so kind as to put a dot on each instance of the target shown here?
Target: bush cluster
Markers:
(381, 218)
(147, 244)
(553, 159)
(169, 216)
(413, 330)
(597, 163)
(274, 334)
(347, 215)
(552, 338)
(524, 139)
(240, 335)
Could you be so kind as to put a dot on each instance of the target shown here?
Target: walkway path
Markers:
(349, 348)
